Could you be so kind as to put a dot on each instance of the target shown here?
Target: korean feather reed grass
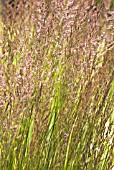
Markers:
(57, 86)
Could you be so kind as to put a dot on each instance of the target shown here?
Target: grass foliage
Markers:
(56, 86)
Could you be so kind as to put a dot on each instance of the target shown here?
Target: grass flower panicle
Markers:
(56, 86)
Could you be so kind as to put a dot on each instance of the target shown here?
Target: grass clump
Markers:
(57, 86)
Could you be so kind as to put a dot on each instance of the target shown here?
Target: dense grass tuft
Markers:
(57, 86)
